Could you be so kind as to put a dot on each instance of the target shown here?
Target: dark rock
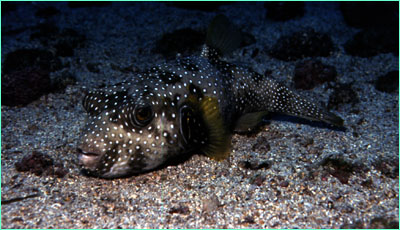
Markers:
(262, 144)
(17, 219)
(370, 14)
(368, 183)
(273, 134)
(254, 165)
(247, 39)
(343, 94)
(284, 184)
(341, 168)
(30, 58)
(245, 164)
(280, 178)
(43, 32)
(40, 164)
(302, 44)
(47, 12)
(184, 41)
(255, 53)
(179, 210)
(199, 5)
(11, 32)
(388, 83)
(7, 7)
(346, 209)
(64, 41)
(59, 83)
(257, 180)
(268, 73)
(373, 41)
(383, 223)
(282, 11)
(248, 220)
(388, 167)
(355, 225)
(80, 4)
(26, 76)
(57, 170)
(93, 67)
(311, 73)
(33, 127)
(305, 141)
(67, 41)
(22, 87)
(36, 163)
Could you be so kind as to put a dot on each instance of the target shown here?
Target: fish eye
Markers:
(142, 115)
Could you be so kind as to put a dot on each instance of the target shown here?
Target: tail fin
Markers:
(286, 101)
(268, 95)
(333, 119)
(223, 36)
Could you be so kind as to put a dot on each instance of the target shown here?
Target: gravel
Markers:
(303, 185)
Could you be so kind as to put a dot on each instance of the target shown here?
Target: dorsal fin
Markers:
(223, 35)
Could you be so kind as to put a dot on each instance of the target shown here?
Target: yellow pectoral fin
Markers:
(219, 138)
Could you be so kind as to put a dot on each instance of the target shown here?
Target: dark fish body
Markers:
(190, 105)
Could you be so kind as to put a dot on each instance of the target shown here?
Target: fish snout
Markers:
(88, 159)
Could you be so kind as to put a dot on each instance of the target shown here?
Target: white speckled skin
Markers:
(136, 126)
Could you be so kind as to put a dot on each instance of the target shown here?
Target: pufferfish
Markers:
(191, 105)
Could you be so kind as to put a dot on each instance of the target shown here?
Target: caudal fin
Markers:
(333, 119)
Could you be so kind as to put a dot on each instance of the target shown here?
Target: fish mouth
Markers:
(88, 160)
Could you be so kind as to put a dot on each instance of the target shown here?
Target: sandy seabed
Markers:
(298, 189)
